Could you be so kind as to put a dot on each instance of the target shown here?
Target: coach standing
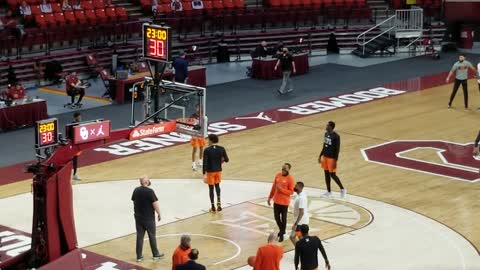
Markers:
(145, 204)
(460, 68)
(285, 60)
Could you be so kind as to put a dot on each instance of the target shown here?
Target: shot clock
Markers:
(156, 42)
(46, 133)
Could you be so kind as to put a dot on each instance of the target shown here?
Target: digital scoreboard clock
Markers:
(46, 133)
(156, 42)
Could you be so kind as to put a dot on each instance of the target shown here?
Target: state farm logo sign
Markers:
(446, 159)
(152, 130)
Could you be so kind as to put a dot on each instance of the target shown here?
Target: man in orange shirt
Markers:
(180, 255)
(269, 256)
(282, 189)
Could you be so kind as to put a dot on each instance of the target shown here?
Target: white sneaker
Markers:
(327, 194)
(76, 177)
(200, 163)
(343, 193)
(194, 166)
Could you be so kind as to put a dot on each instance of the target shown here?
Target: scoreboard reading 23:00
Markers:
(156, 42)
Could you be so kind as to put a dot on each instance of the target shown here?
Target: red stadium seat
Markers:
(101, 16)
(98, 4)
(217, 5)
(70, 17)
(56, 8)
(307, 3)
(208, 5)
(60, 18)
(239, 4)
(121, 13)
(328, 3)
(87, 5)
(50, 19)
(228, 4)
(41, 22)
(81, 16)
(35, 10)
(31, 2)
(111, 14)
(91, 17)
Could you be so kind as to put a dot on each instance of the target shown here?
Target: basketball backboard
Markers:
(186, 105)
(181, 103)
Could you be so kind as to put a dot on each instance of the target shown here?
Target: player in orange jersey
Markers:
(282, 189)
(269, 255)
(214, 155)
(197, 142)
(328, 159)
(180, 255)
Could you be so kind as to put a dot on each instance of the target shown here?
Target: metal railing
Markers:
(409, 20)
(387, 25)
(405, 21)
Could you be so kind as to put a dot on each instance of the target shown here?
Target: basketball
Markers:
(251, 261)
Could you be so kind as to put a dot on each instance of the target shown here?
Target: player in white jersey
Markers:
(300, 212)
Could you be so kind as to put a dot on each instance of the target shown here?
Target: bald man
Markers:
(145, 205)
(269, 255)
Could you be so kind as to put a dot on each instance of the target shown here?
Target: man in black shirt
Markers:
(77, 118)
(328, 159)
(145, 204)
(285, 60)
(213, 157)
(180, 65)
(306, 251)
(191, 264)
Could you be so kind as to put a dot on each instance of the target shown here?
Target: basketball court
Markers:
(405, 160)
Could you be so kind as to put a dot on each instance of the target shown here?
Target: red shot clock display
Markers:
(46, 133)
(156, 42)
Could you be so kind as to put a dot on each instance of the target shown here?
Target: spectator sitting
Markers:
(10, 24)
(46, 7)
(66, 5)
(176, 5)
(154, 7)
(197, 4)
(16, 92)
(262, 50)
(25, 9)
(26, 12)
(77, 5)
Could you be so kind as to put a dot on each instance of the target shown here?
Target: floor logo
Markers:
(435, 157)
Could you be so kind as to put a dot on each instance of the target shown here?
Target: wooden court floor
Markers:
(258, 154)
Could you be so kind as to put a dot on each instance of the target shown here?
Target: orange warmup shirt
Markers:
(282, 196)
(180, 256)
(268, 257)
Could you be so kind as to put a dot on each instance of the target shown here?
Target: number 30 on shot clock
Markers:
(46, 133)
(156, 42)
